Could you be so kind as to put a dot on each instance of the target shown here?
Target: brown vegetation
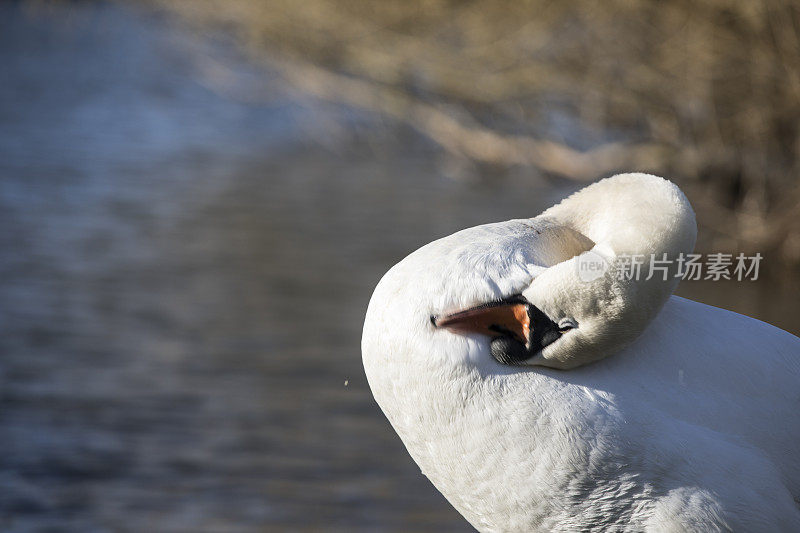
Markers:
(707, 93)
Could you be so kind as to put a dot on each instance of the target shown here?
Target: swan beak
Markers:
(494, 319)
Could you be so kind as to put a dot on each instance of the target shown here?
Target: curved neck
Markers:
(632, 214)
(640, 225)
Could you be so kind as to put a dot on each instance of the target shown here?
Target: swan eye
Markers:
(566, 324)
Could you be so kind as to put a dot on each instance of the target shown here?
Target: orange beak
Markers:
(494, 319)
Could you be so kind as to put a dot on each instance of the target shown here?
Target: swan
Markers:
(537, 398)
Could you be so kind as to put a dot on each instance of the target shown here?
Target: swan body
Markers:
(642, 410)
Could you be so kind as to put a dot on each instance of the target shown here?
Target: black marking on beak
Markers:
(519, 330)
(508, 350)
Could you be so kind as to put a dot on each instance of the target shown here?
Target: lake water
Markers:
(187, 250)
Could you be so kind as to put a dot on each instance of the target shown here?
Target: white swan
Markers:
(688, 419)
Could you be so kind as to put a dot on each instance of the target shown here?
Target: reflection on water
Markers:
(184, 278)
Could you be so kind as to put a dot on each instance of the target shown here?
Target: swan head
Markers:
(519, 293)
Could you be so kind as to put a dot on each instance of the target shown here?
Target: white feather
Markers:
(687, 422)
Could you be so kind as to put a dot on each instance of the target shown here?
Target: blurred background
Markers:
(197, 198)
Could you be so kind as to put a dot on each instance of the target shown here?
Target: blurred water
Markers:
(183, 278)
